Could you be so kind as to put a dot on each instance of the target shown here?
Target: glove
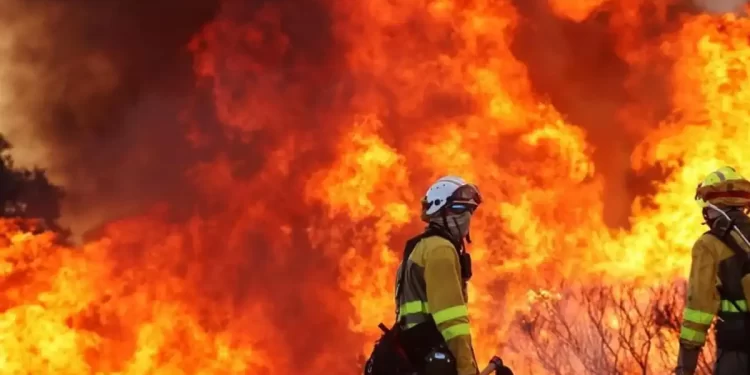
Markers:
(500, 368)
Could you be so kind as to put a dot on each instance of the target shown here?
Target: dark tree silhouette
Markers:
(28, 193)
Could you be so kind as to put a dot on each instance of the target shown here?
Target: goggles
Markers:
(465, 198)
(468, 194)
(459, 208)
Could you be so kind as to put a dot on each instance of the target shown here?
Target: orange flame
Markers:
(286, 262)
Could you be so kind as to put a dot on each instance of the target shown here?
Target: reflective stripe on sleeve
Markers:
(455, 331)
(698, 317)
(692, 335)
(454, 312)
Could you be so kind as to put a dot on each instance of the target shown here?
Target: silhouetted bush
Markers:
(28, 193)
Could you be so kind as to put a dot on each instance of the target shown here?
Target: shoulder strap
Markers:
(725, 237)
(409, 248)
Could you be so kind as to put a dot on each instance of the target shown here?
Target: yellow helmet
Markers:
(725, 187)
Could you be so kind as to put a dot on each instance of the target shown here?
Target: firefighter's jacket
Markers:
(433, 285)
(715, 267)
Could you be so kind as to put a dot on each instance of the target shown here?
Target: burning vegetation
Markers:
(254, 174)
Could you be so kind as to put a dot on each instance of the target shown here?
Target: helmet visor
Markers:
(460, 208)
(466, 194)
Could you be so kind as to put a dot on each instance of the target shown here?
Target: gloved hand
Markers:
(500, 368)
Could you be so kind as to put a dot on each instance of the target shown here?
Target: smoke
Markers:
(721, 6)
(91, 91)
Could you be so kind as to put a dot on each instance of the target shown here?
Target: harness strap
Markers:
(728, 240)
(732, 244)
(431, 230)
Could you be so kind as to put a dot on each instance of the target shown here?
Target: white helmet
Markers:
(449, 190)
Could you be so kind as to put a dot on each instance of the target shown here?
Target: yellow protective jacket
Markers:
(433, 286)
(704, 302)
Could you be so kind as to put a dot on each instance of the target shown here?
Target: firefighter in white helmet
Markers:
(431, 289)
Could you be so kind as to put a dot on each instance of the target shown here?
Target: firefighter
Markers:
(719, 283)
(431, 284)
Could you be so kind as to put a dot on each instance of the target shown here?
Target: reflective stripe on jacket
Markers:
(703, 299)
(433, 286)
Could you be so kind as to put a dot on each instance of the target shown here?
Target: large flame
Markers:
(286, 262)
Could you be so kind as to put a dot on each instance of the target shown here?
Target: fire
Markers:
(284, 262)
(72, 311)
(575, 10)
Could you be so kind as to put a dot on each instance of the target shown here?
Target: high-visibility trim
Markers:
(699, 317)
(455, 331)
(413, 312)
(414, 307)
(728, 306)
(450, 313)
(692, 335)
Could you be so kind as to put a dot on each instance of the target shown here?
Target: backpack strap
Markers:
(408, 249)
(724, 236)
(431, 231)
(464, 258)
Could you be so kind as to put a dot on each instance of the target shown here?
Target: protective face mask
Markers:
(458, 224)
(461, 222)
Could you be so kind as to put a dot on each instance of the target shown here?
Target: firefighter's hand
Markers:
(500, 368)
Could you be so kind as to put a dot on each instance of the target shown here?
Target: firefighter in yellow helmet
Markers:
(431, 285)
(719, 284)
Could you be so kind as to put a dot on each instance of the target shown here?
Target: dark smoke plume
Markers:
(91, 90)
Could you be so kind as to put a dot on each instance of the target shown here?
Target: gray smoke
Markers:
(721, 6)
(91, 91)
